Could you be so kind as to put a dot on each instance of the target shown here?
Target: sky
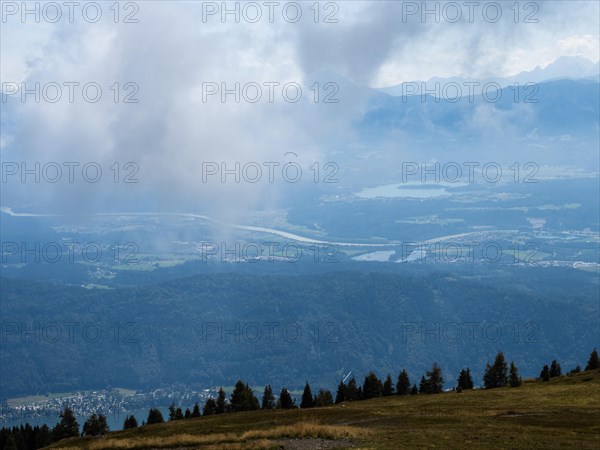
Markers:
(374, 43)
(169, 53)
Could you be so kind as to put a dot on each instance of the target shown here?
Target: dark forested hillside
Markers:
(210, 329)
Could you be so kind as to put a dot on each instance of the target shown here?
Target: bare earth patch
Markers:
(313, 444)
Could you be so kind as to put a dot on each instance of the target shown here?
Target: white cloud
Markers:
(482, 49)
(171, 52)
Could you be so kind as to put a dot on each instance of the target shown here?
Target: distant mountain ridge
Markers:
(565, 67)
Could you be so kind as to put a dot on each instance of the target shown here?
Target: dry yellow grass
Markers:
(259, 438)
(307, 430)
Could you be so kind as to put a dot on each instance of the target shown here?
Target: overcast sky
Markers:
(171, 48)
(376, 43)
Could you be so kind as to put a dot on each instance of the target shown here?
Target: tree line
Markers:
(27, 437)
(496, 375)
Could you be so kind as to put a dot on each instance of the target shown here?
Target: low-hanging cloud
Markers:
(172, 131)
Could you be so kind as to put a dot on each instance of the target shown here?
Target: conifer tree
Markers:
(268, 400)
(514, 380)
(154, 416)
(285, 400)
(196, 411)
(175, 413)
(95, 425)
(372, 387)
(403, 385)
(423, 388)
(555, 369)
(435, 380)
(341, 393)
(323, 398)
(102, 425)
(593, 361)
(221, 407)
(243, 398)
(210, 407)
(496, 375)
(307, 398)
(67, 426)
(353, 392)
(414, 390)
(130, 422)
(43, 437)
(388, 387)
(236, 401)
(465, 380)
(545, 373)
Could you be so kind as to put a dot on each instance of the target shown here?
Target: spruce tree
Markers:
(187, 414)
(323, 398)
(496, 375)
(593, 361)
(236, 401)
(469, 383)
(210, 407)
(268, 401)
(465, 380)
(555, 369)
(175, 413)
(514, 380)
(102, 425)
(461, 379)
(388, 387)
(251, 400)
(43, 437)
(154, 416)
(435, 380)
(414, 390)
(353, 393)
(545, 373)
(403, 385)
(307, 398)
(243, 398)
(341, 393)
(196, 411)
(423, 388)
(95, 425)
(221, 406)
(372, 387)
(130, 422)
(90, 426)
(67, 426)
(285, 400)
